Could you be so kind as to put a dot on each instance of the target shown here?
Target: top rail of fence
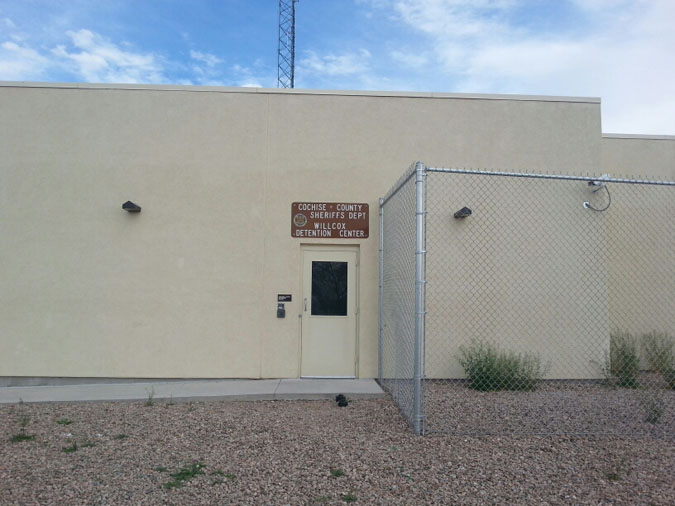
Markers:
(604, 179)
(399, 184)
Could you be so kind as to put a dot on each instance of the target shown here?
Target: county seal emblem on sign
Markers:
(300, 220)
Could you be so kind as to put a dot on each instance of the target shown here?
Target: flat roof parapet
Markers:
(296, 91)
(649, 137)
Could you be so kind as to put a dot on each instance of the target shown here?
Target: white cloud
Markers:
(456, 18)
(56, 53)
(620, 50)
(210, 60)
(21, 63)
(335, 65)
(96, 59)
(250, 77)
(206, 70)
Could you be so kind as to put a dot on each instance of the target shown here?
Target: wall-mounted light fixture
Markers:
(130, 207)
(462, 213)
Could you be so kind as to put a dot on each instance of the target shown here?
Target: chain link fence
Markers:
(547, 303)
(398, 363)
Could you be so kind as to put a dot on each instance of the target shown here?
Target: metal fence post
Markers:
(420, 252)
(380, 293)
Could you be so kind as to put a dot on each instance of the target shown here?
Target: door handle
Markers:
(305, 304)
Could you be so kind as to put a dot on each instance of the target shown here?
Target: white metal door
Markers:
(329, 312)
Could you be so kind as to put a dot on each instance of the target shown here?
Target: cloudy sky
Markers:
(622, 51)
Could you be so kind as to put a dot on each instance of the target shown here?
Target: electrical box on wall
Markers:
(282, 298)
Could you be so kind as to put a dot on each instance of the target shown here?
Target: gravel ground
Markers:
(561, 408)
(308, 452)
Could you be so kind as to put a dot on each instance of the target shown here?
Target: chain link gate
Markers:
(528, 304)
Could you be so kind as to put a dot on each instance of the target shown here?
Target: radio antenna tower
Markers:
(286, 49)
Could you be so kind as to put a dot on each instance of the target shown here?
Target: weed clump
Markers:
(22, 436)
(489, 368)
(70, 449)
(669, 376)
(150, 401)
(653, 404)
(220, 476)
(18, 438)
(350, 497)
(184, 474)
(624, 361)
(658, 350)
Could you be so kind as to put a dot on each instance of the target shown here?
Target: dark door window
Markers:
(329, 288)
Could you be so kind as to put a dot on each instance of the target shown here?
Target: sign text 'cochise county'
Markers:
(329, 220)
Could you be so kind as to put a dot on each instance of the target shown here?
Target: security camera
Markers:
(598, 183)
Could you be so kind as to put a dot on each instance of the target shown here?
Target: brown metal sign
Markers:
(329, 220)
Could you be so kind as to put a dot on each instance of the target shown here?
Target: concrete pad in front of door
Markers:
(195, 390)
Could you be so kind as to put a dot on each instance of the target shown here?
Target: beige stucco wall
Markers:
(642, 228)
(188, 287)
(649, 156)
